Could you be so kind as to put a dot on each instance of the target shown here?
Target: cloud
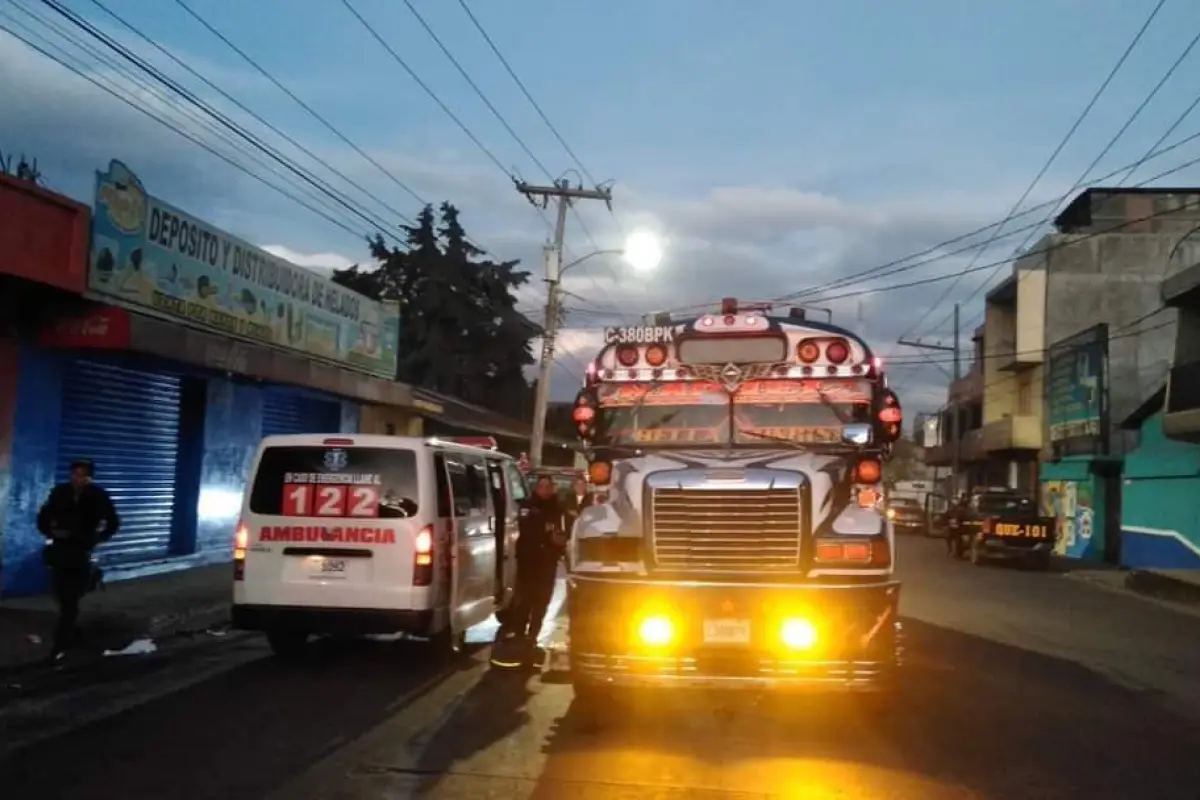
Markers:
(324, 263)
(751, 241)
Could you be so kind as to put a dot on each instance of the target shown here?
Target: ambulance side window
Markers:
(478, 495)
(516, 483)
(457, 471)
(442, 485)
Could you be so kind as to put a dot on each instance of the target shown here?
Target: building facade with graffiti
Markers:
(1079, 479)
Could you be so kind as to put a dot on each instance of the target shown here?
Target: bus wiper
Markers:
(769, 437)
(840, 413)
(637, 407)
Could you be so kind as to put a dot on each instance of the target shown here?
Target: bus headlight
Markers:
(798, 634)
(656, 630)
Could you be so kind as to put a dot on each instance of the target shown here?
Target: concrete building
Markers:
(1014, 332)
(964, 436)
(1088, 298)
(1159, 524)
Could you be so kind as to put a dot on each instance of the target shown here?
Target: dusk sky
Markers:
(775, 145)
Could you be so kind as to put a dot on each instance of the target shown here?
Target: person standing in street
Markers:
(77, 516)
(541, 544)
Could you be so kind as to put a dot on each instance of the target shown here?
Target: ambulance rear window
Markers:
(354, 482)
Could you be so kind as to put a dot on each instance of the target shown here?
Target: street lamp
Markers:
(643, 251)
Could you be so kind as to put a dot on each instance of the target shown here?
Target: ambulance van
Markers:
(356, 535)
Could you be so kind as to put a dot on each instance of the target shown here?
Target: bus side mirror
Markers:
(858, 433)
(889, 417)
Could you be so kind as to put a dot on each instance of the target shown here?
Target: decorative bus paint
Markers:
(735, 562)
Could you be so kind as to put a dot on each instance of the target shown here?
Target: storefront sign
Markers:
(102, 328)
(147, 254)
(1077, 392)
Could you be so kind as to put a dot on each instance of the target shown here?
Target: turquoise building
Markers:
(1160, 495)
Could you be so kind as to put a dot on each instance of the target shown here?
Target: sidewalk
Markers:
(1174, 585)
(1181, 586)
(154, 607)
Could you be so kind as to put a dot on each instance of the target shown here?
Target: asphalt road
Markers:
(1021, 685)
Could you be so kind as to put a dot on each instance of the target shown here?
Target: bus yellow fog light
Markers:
(656, 630)
(798, 634)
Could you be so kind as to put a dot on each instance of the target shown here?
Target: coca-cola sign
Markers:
(104, 327)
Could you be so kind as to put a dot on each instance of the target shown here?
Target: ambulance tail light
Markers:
(241, 542)
(423, 557)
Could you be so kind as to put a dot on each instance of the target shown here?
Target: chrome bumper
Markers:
(870, 634)
(688, 673)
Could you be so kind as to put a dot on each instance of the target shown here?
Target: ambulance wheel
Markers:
(287, 644)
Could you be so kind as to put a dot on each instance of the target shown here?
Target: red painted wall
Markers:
(43, 236)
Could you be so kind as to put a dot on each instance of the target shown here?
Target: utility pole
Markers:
(540, 196)
(954, 409)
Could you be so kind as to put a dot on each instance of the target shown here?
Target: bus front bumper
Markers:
(734, 636)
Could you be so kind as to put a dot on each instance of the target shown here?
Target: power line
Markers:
(898, 266)
(186, 111)
(512, 73)
(311, 111)
(528, 95)
(470, 82)
(417, 78)
(257, 117)
(221, 119)
(63, 62)
(1105, 151)
(994, 355)
(1038, 251)
(486, 101)
(887, 270)
(1045, 167)
(316, 115)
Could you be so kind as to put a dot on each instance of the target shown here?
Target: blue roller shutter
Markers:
(127, 421)
(286, 411)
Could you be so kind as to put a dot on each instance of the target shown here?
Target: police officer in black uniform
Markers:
(956, 519)
(540, 546)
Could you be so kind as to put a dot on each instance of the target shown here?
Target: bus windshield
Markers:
(809, 411)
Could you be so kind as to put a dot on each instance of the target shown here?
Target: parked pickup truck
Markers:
(1010, 527)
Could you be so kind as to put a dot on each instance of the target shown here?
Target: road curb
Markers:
(174, 623)
(124, 630)
(1162, 587)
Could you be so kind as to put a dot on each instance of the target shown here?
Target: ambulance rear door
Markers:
(331, 524)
